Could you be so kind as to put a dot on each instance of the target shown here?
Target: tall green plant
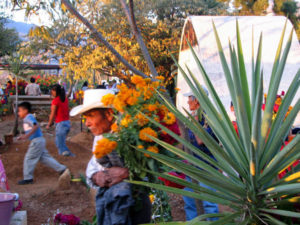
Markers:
(250, 160)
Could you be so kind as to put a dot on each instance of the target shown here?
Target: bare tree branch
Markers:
(100, 39)
(131, 19)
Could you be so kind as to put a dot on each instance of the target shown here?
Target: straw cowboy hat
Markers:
(91, 100)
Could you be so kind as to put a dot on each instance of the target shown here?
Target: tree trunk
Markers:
(16, 124)
(131, 19)
(100, 39)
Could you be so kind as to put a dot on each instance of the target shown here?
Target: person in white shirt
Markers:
(109, 181)
(33, 89)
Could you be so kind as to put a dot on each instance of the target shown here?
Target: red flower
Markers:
(276, 107)
(172, 184)
(66, 219)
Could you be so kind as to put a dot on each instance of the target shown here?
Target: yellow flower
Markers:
(153, 149)
(169, 118)
(114, 127)
(151, 198)
(141, 119)
(104, 147)
(108, 99)
(126, 120)
(292, 177)
(147, 131)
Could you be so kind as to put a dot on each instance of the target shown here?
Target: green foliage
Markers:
(9, 39)
(161, 211)
(252, 160)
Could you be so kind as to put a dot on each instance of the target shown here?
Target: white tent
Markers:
(199, 31)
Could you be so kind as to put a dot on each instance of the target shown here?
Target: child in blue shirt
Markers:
(37, 148)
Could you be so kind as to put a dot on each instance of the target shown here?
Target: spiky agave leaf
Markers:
(251, 160)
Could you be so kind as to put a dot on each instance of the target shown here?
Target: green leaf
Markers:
(282, 189)
(190, 194)
(272, 92)
(282, 212)
(243, 74)
(227, 219)
(273, 220)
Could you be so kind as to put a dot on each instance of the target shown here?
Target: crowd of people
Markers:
(114, 201)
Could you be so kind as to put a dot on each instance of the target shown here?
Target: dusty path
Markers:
(43, 199)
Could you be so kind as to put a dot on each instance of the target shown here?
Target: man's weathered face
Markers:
(98, 121)
(193, 103)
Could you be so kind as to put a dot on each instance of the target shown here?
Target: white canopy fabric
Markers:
(206, 49)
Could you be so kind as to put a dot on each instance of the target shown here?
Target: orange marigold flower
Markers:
(140, 146)
(147, 131)
(141, 119)
(138, 81)
(133, 96)
(161, 78)
(118, 104)
(122, 87)
(152, 107)
(148, 93)
(278, 101)
(169, 118)
(126, 120)
(104, 147)
(108, 99)
(114, 127)
(153, 149)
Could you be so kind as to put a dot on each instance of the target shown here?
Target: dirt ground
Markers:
(43, 198)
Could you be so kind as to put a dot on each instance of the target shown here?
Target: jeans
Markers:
(190, 204)
(113, 204)
(61, 131)
(37, 152)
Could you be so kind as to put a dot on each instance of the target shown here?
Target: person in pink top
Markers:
(60, 113)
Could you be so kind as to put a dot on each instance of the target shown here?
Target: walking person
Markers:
(60, 113)
(37, 151)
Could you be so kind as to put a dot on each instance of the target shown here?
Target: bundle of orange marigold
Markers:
(132, 128)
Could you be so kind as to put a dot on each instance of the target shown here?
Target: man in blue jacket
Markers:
(190, 204)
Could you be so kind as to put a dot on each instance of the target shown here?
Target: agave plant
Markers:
(251, 160)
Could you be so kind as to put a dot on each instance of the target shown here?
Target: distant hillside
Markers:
(21, 28)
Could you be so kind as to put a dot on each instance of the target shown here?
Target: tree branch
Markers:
(131, 19)
(100, 39)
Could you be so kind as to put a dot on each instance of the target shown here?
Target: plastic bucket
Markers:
(6, 207)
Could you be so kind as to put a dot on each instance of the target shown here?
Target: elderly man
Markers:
(114, 201)
(190, 205)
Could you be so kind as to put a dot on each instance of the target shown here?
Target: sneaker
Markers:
(66, 153)
(22, 182)
(61, 172)
(64, 172)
